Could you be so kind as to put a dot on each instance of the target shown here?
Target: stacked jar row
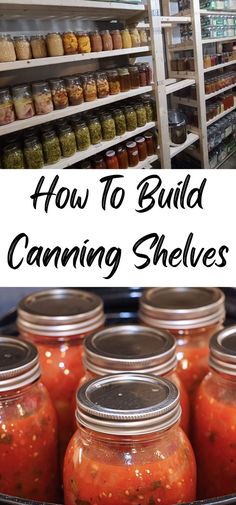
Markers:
(210, 60)
(224, 102)
(69, 43)
(24, 101)
(221, 130)
(224, 149)
(221, 81)
(220, 5)
(218, 26)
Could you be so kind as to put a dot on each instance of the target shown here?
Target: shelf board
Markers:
(145, 163)
(216, 13)
(221, 65)
(216, 118)
(98, 148)
(191, 138)
(179, 85)
(227, 157)
(183, 75)
(69, 111)
(211, 95)
(176, 19)
(186, 101)
(181, 47)
(60, 60)
(220, 39)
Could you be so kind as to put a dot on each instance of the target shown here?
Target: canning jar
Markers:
(38, 46)
(132, 151)
(147, 102)
(135, 37)
(111, 159)
(7, 50)
(107, 44)
(141, 114)
(22, 48)
(7, 113)
(122, 157)
(126, 39)
(23, 101)
(116, 39)
(51, 147)
(89, 88)
(28, 427)
(83, 40)
(215, 418)
(59, 94)
(143, 36)
(108, 127)
(67, 141)
(98, 163)
(131, 118)
(70, 43)
(13, 156)
(150, 143)
(55, 44)
(57, 321)
(82, 135)
(193, 315)
(102, 85)
(124, 78)
(42, 97)
(142, 148)
(114, 82)
(74, 89)
(128, 447)
(33, 152)
(96, 41)
(95, 130)
(134, 77)
(120, 122)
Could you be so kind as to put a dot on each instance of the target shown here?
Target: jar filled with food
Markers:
(131, 118)
(82, 136)
(177, 127)
(108, 127)
(51, 147)
(28, 428)
(122, 157)
(102, 85)
(142, 74)
(38, 46)
(143, 36)
(13, 157)
(42, 97)
(74, 89)
(98, 163)
(125, 81)
(150, 143)
(134, 77)
(7, 113)
(120, 122)
(56, 321)
(95, 130)
(142, 148)
(116, 39)
(147, 102)
(192, 315)
(141, 114)
(59, 94)
(33, 152)
(111, 159)
(22, 48)
(67, 141)
(148, 70)
(89, 88)
(107, 44)
(132, 151)
(135, 37)
(126, 39)
(70, 43)
(124, 421)
(23, 101)
(55, 44)
(83, 40)
(7, 49)
(114, 82)
(96, 41)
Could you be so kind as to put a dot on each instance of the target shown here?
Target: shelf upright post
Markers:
(159, 81)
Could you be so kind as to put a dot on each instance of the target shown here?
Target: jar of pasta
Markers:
(7, 50)
(131, 118)
(95, 130)
(108, 127)
(143, 36)
(22, 48)
(114, 82)
(125, 81)
(13, 157)
(135, 37)
(120, 122)
(96, 41)
(59, 94)
(42, 97)
(107, 44)
(126, 39)
(84, 45)
(82, 135)
(134, 77)
(89, 88)
(23, 101)
(132, 151)
(67, 141)
(74, 89)
(38, 46)
(51, 147)
(55, 44)
(102, 85)
(141, 114)
(33, 152)
(7, 113)
(70, 43)
(116, 39)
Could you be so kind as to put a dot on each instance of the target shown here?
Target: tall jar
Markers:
(141, 114)
(107, 44)
(22, 48)
(51, 147)
(7, 113)
(23, 101)
(215, 419)
(95, 130)
(70, 43)
(28, 427)
(131, 118)
(38, 46)
(135, 37)
(125, 81)
(33, 152)
(114, 82)
(89, 88)
(108, 126)
(192, 315)
(116, 39)
(13, 157)
(96, 41)
(74, 89)
(7, 49)
(120, 122)
(102, 85)
(59, 94)
(55, 44)
(128, 447)
(134, 77)
(67, 141)
(42, 97)
(57, 321)
(82, 135)
(84, 45)
(126, 39)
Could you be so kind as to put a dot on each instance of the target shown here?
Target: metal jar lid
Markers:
(182, 308)
(223, 351)
(19, 363)
(130, 348)
(60, 313)
(128, 404)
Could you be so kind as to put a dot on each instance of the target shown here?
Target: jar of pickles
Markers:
(107, 44)
(135, 37)
(147, 102)
(134, 77)
(116, 39)
(7, 113)
(102, 85)
(114, 82)
(89, 88)
(55, 44)
(96, 41)
(70, 43)
(108, 127)
(141, 114)
(33, 153)
(42, 97)
(38, 46)
(131, 118)
(23, 101)
(59, 94)
(22, 48)
(142, 148)
(83, 40)
(51, 147)
(125, 81)
(7, 49)
(126, 39)
(122, 157)
(132, 151)
(13, 156)
(67, 141)
(95, 131)
(82, 135)
(120, 122)
(74, 89)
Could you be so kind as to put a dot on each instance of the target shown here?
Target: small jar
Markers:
(95, 131)
(107, 44)
(28, 429)
(120, 122)
(143, 36)
(22, 48)
(149, 139)
(116, 39)
(96, 41)
(7, 50)
(38, 46)
(108, 127)
(67, 141)
(23, 101)
(82, 136)
(59, 94)
(147, 102)
(142, 148)
(126, 39)
(13, 157)
(148, 70)
(55, 44)
(42, 97)
(7, 113)
(131, 118)
(51, 147)
(141, 114)
(125, 81)
(132, 151)
(135, 37)
(122, 157)
(98, 163)
(70, 43)
(134, 77)
(111, 159)
(102, 85)
(33, 152)
(114, 82)
(83, 40)
(142, 75)
(74, 89)
(89, 88)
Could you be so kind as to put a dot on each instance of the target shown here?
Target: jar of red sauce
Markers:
(142, 148)
(57, 321)
(129, 447)
(131, 349)
(28, 426)
(192, 315)
(111, 159)
(142, 74)
(122, 157)
(150, 143)
(215, 419)
(132, 151)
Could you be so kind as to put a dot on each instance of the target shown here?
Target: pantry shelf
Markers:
(191, 138)
(186, 101)
(145, 163)
(180, 47)
(218, 39)
(219, 116)
(171, 88)
(225, 159)
(227, 88)
(221, 65)
(176, 19)
(217, 13)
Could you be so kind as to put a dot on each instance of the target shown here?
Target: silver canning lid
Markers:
(19, 363)
(223, 351)
(130, 348)
(180, 308)
(60, 313)
(128, 404)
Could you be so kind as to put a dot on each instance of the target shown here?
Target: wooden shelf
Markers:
(181, 47)
(221, 65)
(217, 13)
(176, 19)
(185, 83)
(216, 118)
(186, 101)
(220, 39)
(211, 95)
(191, 138)
(145, 163)
(183, 75)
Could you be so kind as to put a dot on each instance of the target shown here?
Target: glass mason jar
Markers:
(122, 157)
(67, 141)
(131, 118)
(70, 43)
(22, 48)
(128, 447)
(59, 94)
(134, 349)
(192, 315)
(148, 104)
(13, 156)
(28, 426)
(23, 101)
(38, 46)
(150, 143)
(51, 147)
(42, 97)
(143, 36)
(134, 77)
(141, 114)
(55, 44)
(84, 45)
(142, 74)
(82, 135)
(74, 89)
(7, 49)
(214, 423)
(142, 148)
(57, 321)
(125, 81)
(89, 88)
(95, 130)
(132, 150)
(107, 44)
(96, 41)
(126, 39)
(135, 37)
(120, 122)
(108, 126)
(102, 85)
(98, 163)
(111, 159)
(114, 82)
(7, 113)
(33, 152)
(116, 39)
